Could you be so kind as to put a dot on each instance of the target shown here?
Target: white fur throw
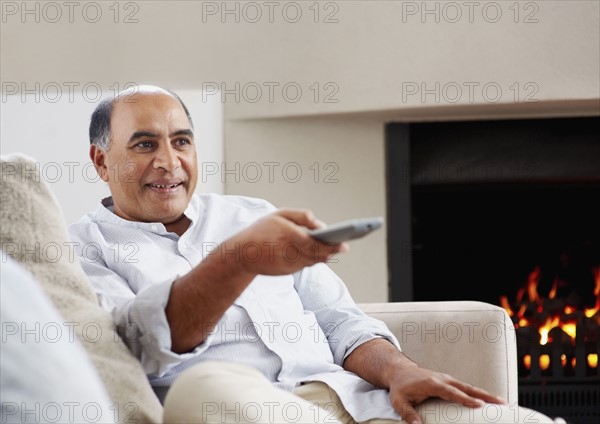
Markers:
(33, 231)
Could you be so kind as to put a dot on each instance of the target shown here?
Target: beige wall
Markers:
(367, 61)
(372, 49)
(333, 166)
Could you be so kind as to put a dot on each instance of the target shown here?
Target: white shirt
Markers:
(292, 328)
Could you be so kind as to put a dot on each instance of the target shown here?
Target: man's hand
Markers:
(278, 244)
(412, 385)
(381, 364)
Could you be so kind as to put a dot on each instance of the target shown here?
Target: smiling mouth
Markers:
(164, 186)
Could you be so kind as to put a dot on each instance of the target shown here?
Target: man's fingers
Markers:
(478, 393)
(457, 393)
(302, 217)
(408, 413)
(309, 249)
(342, 247)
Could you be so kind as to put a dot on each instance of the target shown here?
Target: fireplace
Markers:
(507, 212)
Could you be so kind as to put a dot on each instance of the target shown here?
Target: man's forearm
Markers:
(200, 298)
(375, 360)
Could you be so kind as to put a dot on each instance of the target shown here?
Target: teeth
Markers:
(164, 186)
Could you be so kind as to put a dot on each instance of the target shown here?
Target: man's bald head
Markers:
(99, 131)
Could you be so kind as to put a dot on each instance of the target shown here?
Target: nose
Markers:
(166, 158)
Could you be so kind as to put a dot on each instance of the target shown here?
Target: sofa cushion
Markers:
(33, 231)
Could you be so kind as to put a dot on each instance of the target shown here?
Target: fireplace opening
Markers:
(491, 236)
(507, 212)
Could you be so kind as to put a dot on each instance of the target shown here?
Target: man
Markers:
(201, 278)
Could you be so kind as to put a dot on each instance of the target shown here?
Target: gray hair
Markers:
(100, 121)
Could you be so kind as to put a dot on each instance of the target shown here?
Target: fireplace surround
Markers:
(496, 210)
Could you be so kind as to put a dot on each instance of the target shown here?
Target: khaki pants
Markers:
(218, 393)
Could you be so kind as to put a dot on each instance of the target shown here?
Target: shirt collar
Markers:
(105, 213)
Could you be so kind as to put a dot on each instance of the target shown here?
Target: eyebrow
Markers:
(140, 134)
(150, 134)
(183, 132)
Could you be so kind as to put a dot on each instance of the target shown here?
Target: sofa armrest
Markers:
(472, 341)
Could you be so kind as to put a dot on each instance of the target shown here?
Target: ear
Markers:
(98, 157)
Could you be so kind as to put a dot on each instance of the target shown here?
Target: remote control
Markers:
(347, 230)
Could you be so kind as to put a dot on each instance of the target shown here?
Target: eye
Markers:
(145, 144)
(182, 142)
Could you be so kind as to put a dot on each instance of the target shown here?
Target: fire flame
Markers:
(568, 326)
(590, 312)
(593, 360)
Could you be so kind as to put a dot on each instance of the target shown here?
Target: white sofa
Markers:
(473, 341)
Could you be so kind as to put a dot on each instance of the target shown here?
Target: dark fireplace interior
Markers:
(507, 212)
(491, 236)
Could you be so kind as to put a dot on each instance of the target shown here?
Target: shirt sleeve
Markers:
(344, 324)
(140, 319)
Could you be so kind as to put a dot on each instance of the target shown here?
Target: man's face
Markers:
(151, 165)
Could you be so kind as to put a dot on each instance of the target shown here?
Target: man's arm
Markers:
(200, 298)
(383, 365)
